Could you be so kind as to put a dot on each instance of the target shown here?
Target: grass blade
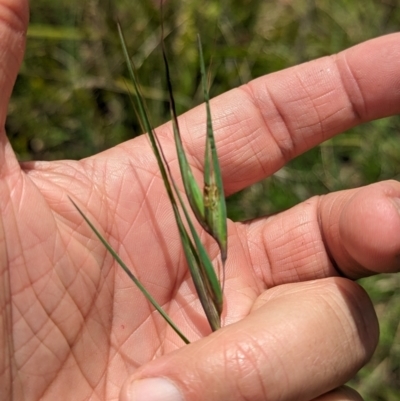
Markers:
(208, 206)
(131, 275)
(195, 197)
(192, 189)
(200, 266)
(214, 198)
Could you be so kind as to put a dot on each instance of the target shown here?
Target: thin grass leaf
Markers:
(145, 121)
(195, 197)
(208, 205)
(131, 275)
(192, 189)
(200, 266)
(214, 197)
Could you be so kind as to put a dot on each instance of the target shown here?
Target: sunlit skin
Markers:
(74, 327)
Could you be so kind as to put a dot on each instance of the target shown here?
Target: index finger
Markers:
(262, 125)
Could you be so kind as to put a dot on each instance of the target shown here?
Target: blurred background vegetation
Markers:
(70, 101)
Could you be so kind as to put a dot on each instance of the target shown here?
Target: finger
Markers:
(343, 393)
(362, 236)
(352, 233)
(300, 341)
(262, 125)
(13, 24)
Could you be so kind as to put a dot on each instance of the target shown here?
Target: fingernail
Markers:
(156, 389)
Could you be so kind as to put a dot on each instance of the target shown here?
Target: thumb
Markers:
(300, 341)
(14, 16)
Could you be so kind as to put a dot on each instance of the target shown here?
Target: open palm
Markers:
(70, 315)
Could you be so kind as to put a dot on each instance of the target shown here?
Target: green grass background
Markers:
(70, 101)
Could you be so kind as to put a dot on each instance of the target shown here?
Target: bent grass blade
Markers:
(195, 197)
(203, 274)
(131, 275)
(209, 207)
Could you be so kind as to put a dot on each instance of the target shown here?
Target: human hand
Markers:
(74, 327)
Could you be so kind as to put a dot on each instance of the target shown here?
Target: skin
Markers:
(73, 326)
